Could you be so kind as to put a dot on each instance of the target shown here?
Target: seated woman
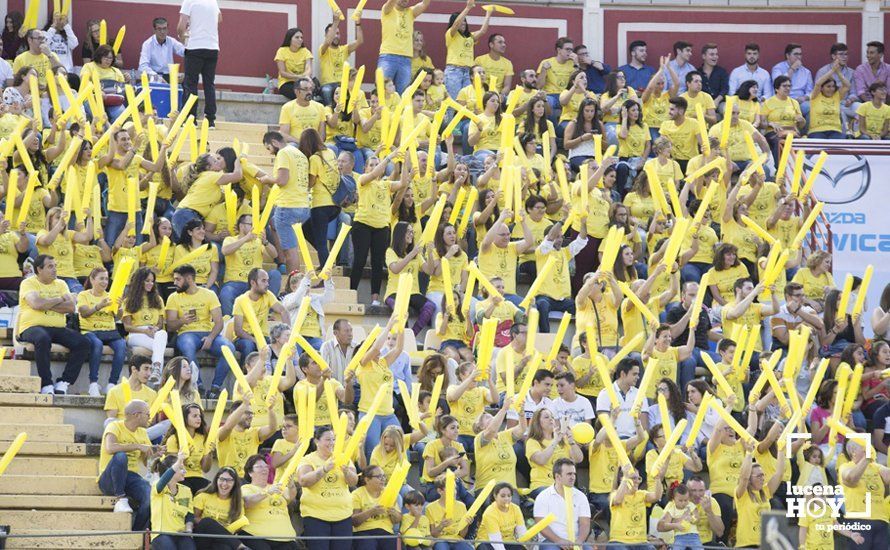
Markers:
(143, 319)
(97, 324)
(110, 78)
(294, 60)
(265, 505)
(218, 509)
(171, 505)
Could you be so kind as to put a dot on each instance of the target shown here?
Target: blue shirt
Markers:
(401, 369)
(760, 76)
(801, 81)
(637, 79)
(596, 79)
(155, 57)
(681, 74)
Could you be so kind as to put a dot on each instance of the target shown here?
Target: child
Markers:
(171, 502)
(442, 527)
(502, 520)
(436, 92)
(415, 524)
(735, 376)
(681, 516)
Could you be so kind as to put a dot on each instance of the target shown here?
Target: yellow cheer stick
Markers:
(336, 9)
(182, 433)
(448, 286)
(499, 9)
(716, 164)
(161, 396)
(277, 373)
(31, 14)
(614, 240)
(132, 200)
(330, 395)
(434, 397)
(483, 280)
(450, 490)
(133, 104)
(453, 124)
(301, 315)
(732, 422)
(669, 445)
(705, 203)
(583, 187)
(777, 388)
(616, 442)
(645, 382)
(545, 147)
(603, 373)
(121, 278)
(472, 197)
(23, 153)
(390, 494)
(240, 379)
(26, 198)
(626, 350)
(146, 87)
(458, 203)
(797, 174)
(532, 324)
(216, 422)
(783, 158)
(231, 201)
(531, 368)
(410, 408)
(817, 381)
(778, 267)
(263, 220)
(126, 390)
(702, 129)
(814, 173)
(486, 350)
(675, 242)
(807, 224)
(719, 379)
(103, 33)
(863, 290)
(537, 528)
(844, 302)
(53, 91)
(65, 161)
(699, 299)
(655, 188)
(840, 428)
(74, 105)
(752, 151)
(304, 247)
(635, 300)
(292, 464)
(309, 350)
(163, 252)
(17, 443)
(852, 390)
(300, 392)
(663, 410)
(335, 250)
(173, 157)
(196, 253)
(363, 348)
(561, 331)
(675, 198)
(543, 276)
(699, 419)
(761, 232)
(173, 71)
(11, 188)
(356, 91)
(180, 118)
(727, 122)
(204, 135)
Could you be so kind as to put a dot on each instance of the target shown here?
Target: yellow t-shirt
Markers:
(397, 32)
(635, 142)
(870, 488)
(374, 377)
(748, 109)
(238, 447)
(269, 518)
(707, 239)
(725, 280)
(331, 63)
(875, 117)
(374, 204)
(820, 535)
(702, 98)
(29, 317)
(468, 407)
(435, 512)
(388, 461)
(751, 317)
(500, 262)
(604, 318)
(603, 468)
(459, 49)
(490, 137)
(294, 62)
(413, 269)
(329, 499)
(101, 320)
(748, 519)
(322, 414)
(724, 465)
(813, 286)
(557, 75)
(124, 437)
(455, 265)
(258, 402)
(241, 261)
(418, 63)
(825, 113)
(294, 194)
(665, 365)
(702, 525)
(502, 522)
(781, 112)
(655, 109)
(114, 400)
(570, 109)
(557, 286)
(433, 450)
(152, 257)
(742, 237)
(677, 513)
(613, 113)
(499, 69)
(39, 62)
(497, 460)
(86, 258)
(323, 166)
(35, 219)
(542, 474)
(300, 118)
(202, 263)
(370, 138)
(675, 465)
(9, 265)
(642, 208)
(684, 137)
(362, 500)
(168, 511)
(203, 194)
(413, 535)
(62, 249)
(738, 148)
(628, 525)
(261, 308)
(202, 302)
(213, 507)
(192, 462)
(668, 171)
(146, 315)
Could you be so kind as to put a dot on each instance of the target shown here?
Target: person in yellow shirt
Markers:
(58, 241)
(744, 311)
(825, 104)
(266, 506)
(205, 180)
(37, 55)
(738, 127)
(499, 256)
(549, 440)
(325, 503)
(264, 303)
(782, 114)
(452, 529)
(243, 253)
(553, 73)
(291, 174)
(294, 60)
(324, 179)
(628, 504)
(332, 54)
(748, 100)
(139, 367)
(397, 40)
(874, 116)
(415, 523)
(143, 319)
(220, 505)
(695, 96)
(597, 304)
(865, 483)
(374, 374)
(752, 495)
(496, 64)
(192, 238)
(301, 113)
(655, 97)
(681, 518)
(194, 313)
(468, 400)
(682, 131)
(634, 144)
(459, 43)
(658, 348)
(725, 453)
(404, 256)
(98, 325)
(816, 278)
(369, 517)
(44, 300)
(196, 463)
(502, 522)
(237, 439)
(124, 451)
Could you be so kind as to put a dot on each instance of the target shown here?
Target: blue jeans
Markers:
(118, 481)
(514, 299)
(456, 79)
(546, 304)
(686, 367)
(452, 546)
(396, 67)
(327, 92)
(831, 134)
(173, 542)
(555, 107)
(74, 285)
(231, 290)
(117, 344)
(188, 344)
(380, 423)
(181, 217)
(693, 271)
(245, 347)
(284, 220)
(689, 540)
(116, 223)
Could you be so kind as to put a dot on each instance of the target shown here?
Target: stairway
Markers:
(50, 487)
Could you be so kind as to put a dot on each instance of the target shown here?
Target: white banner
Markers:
(854, 186)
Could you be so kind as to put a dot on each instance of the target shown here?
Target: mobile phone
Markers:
(193, 312)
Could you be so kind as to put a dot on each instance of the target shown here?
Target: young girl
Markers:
(443, 454)
(196, 462)
(454, 330)
(628, 505)
(752, 495)
(369, 517)
(184, 373)
(681, 516)
(218, 508)
(97, 324)
(468, 400)
(502, 521)
(404, 256)
(143, 319)
(171, 505)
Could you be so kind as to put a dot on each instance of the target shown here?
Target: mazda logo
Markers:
(843, 179)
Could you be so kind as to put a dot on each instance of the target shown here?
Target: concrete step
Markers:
(42, 485)
(19, 384)
(74, 540)
(63, 433)
(29, 415)
(344, 309)
(48, 448)
(26, 399)
(55, 502)
(67, 520)
(16, 367)
(55, 466)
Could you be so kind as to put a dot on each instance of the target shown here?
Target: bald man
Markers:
(125, 449)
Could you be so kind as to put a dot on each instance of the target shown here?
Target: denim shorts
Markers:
(284, 220)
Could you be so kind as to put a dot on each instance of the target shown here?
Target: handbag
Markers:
(346, 193)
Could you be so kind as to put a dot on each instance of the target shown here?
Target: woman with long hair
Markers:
(663, 164)
(40, 153)
(196, 463)
(171, 505)
(752, 495)
(840, 329)
(266, 507)
(217, 507)
(627, 505)
(294, 60)
(103, 66)
(612, 101)
(726, 271)
(434, 365)
(161, 228)
(12, 39)
(204, 182)
(90, 41)
(58, 241)
(392, 451)
(404, 257)
(548, 440)
(443, 454)
(725, 451)
(326, 504)
(502, 521)
(493, 449)
(537, 124)
(459, 44)
(420, 59)
(571, 98)
(369, 517)
(656, 98)
(485, 136)
(324, 178)
(143, 319)
(578, 137)
(193, 237)
(370, 228)
(634, 143)
(97, 324)
(817, 280)
(446, 254)
(185, 376)
(875, 388)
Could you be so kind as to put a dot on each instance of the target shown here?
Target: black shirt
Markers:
(717, 84)
(675, 313)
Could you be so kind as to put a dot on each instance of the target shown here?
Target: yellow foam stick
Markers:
(259, 226)
(147, 103)
(752, 150)
(675, 242)
(340, 434)
(761, 232)
(304, 247)
(178, 420)
(543, 276)
(394, 484)
(477, 91)
(548, 161)
(53, 93)
(26, 198)
(817, 381)
(719, 379)
(843, 375)
(616, 442)
(292, 464)
(732, 422)
(196, 253)
(537, 528)
(356, 91)
(852, 390)
(669, 445)
(413, 414)
(635, 300)
(699, 419)
(363, 349)
(844, 303)
(645, 382)
(300, 317)
(631, 346)
(458, 204)
(483, 280)
(450, 491)
(216, 422)
(807, 224)
(568, 498)
(336, 9)
(478, 502)
(11, 188)
(310, 351)
(302, 415)
(797, 174)
(403, 294)
(202, 140)
(783, 158)
(240, 379)
(165, 250)
(74, 105)
(757, 388)
(231, 201)
(177, 146)
(614, 240)
(716, 164)
(357, 13)
(527, 380)
(31, 15)
(448, 287)
(655, 188)
(133, 105)
(699, 299)
(71, 191)
(23, 153)
(173, 71)
(409, 139)
(67, 156)
(663, 410)
(499, 9)
(453, 124)
(119, 39)
(773, 274)
(192, 130)
(863, 290)
(702, 129)
(563, 181)
(486, 349)
(434, 398)
(840, 428)
(777, 389)
(132, 198)
(344, 83)
(276, 377)
(150, 206)
(119, 282)
(181, 118)
(472, 197)
(335, 250)
(462, 109)
(96, 214)
(310, 409)
(603, 372)
(561, 331)
(814, 173)
(508, 131)
(671, 188)
(17, 443)
(727, 122)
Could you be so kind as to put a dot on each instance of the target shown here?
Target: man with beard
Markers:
(194, 313)
(291, 174)
(262, 301)
(237, 440)
(555, 294)
(751, 70)
(243, 252)
(332, 55)
(636, 73)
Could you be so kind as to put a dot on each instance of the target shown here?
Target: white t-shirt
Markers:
(530, 407)
(549, 501)
(625, 423)
(203, 24)
(579, 410)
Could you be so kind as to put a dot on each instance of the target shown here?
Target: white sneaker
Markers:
(94, 390)
(375, 303)
(108, 388)
(154, 379)
(61, 387)
(122, 505)
(47, 389)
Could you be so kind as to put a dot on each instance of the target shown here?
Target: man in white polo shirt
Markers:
(552, 501)
(627, 374)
